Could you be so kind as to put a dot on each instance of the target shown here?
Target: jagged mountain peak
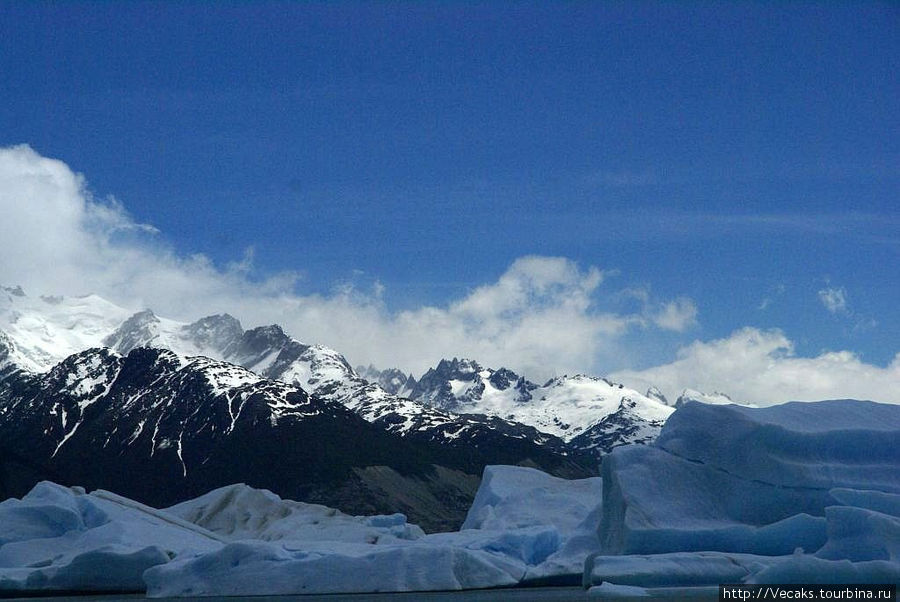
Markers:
(272, 333)
(565, 406)
(137, 331)
(458, 365)
(219, 332)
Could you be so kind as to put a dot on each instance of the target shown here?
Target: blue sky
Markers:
(739, 157)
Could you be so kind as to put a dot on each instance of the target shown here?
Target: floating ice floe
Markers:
(752, 480)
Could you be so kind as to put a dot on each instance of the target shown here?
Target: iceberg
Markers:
(674, 569)
(748, 480)
(510, 497)
(271, 568)
(60, 538)
(513, 498)
(804, 492)
(524, 525)
(238, 512)
(808, 445)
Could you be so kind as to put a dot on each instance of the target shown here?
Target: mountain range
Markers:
(160, 410)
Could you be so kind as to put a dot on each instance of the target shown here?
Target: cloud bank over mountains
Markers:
(760, 366)
(542, 316)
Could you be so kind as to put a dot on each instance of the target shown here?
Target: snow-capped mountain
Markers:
(457, 403)
(153, 405)
(161, 427)
(270, 353)
(42, 331)
(160, 410)
(654, 393)
(392, 380)
(715, 398)
(589, 412)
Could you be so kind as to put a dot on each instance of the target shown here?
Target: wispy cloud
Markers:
(717, 224)
(834, 299)
(776, 292)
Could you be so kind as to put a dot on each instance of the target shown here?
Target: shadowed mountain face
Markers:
(161, 428)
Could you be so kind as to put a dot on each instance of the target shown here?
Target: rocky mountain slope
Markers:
(588, 413)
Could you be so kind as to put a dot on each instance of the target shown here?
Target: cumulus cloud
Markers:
(834, 299)
(760, 366)
(541, 316)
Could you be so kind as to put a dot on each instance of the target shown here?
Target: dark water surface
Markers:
(536, 594)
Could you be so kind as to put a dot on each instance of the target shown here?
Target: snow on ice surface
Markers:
(56, 538)
(242, 512)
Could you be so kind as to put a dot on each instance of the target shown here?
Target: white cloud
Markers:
(760, 366)
(540, 316)
(834, 299)
(677, 315)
